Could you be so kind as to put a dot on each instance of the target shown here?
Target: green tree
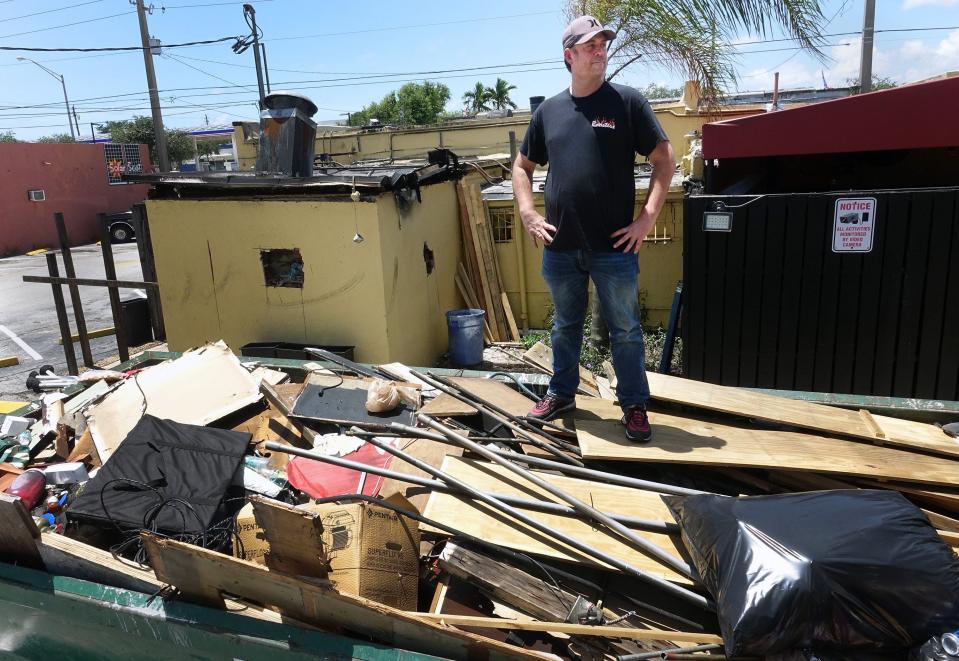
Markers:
(878, 83)
(499, 94)
(57, 137)
(694, 38)
(8, 136)
(413, 103)
(140, 130)
(654, 91)
(478, 98)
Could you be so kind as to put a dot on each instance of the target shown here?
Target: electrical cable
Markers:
(50, 11)
(65, 25)
(115, 48)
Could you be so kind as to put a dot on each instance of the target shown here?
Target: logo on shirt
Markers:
(604, 123)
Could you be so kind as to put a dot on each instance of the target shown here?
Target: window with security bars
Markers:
(120, 160)
(501, 221)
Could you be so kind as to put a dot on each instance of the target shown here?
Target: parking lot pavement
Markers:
(28, 318)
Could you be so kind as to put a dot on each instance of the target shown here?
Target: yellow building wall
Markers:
(660, 262)
(212, 284)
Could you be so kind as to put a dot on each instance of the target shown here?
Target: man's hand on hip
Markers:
(630, 238)
(537, 227)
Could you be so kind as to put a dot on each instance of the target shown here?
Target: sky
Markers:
(345, 54)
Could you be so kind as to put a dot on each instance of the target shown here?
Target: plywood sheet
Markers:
(683, 440)
(446, 405)
(425, 450)
(541, 356)
(201, 386)
(877, 428)
(486, 523)
(503, 396)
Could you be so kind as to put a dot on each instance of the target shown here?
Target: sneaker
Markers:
(637, 424)
(551, 406)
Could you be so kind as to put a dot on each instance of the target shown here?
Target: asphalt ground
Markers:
(27, 313)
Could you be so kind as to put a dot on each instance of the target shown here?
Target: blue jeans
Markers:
(615, 275)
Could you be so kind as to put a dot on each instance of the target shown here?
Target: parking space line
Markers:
(23, 345)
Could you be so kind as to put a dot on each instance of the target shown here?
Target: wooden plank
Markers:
(508, 399)
(295, 537)
(203, 574)
(482, 521)
(572, 629)
(488, 263)
(480, 277)
(830, 419)
(446, 405)
(510, 319)
(950, 538)
(690, 441)
(541, 356)
(18, 540)
(425, 450)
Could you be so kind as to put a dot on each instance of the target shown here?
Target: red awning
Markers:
(918, 116)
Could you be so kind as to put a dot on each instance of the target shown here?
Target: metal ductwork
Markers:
(287, 135)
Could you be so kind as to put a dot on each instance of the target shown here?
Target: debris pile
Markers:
(422, 510)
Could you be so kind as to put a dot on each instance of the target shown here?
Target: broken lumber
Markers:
(829, 419)
(295, 538)
(540, 356)
(203, 575)
(686, 440)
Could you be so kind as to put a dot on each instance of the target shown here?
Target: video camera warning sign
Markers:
(852, 228)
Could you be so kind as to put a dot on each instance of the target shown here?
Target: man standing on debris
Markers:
(590, 135)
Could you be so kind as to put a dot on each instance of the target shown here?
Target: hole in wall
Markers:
(428, 258)
(282, 267)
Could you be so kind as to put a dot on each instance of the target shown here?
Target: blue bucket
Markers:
(466, 336)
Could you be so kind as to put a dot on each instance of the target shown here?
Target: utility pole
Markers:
(865, 61)
(251, 14)
(163, 157)
(76, 121)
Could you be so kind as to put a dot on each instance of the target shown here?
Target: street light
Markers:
(63, 84)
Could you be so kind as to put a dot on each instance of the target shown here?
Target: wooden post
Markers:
(141, 228)
(109, 269)
(62, 318)
(74, 290)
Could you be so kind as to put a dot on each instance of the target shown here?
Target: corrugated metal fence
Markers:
(770, 303)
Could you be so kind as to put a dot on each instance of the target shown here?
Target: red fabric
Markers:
(915, 116)
(321, 480)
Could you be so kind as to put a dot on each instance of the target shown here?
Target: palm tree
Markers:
(694, 37)
(499, 94)
(477, 98)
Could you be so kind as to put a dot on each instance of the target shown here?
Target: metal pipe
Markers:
(681, 592)
(583, 508)
(438, 485)
(541, 462)
(661, 654)
(506, 418)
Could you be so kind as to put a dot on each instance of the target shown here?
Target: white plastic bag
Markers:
(382, 396)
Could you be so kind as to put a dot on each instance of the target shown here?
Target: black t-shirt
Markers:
(590, 144)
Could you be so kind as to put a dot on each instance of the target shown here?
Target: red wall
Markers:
(74, 178)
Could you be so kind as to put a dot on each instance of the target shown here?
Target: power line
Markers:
(116, 48)
(57, 27)
(205, 73)
(50, 11)
(208, 4)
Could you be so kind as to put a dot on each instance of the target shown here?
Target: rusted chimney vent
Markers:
(287, 135)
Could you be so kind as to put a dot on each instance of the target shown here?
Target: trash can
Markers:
(466, 336)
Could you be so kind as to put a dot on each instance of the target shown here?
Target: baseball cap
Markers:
(582, 29)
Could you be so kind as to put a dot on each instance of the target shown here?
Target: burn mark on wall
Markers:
(282, 267)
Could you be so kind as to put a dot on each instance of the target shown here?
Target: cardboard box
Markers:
(373, 552)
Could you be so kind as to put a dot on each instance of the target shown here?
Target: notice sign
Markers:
(853, 225)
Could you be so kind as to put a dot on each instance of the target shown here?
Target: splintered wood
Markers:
(686, 440)
(480, 283)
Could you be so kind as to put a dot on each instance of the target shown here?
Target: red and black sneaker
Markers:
(551, 406)
(637, 424)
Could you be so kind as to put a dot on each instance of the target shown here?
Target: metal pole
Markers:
(93, 134)
(266, 68)
(109, 269)
(74, 290)
(248, 10)
(661, 654)
(865, 60)
(501, 416)
(66, 102)
(663, 527)
(76, 121)
(681, 592)
(62, 318)
(159, 135)
(583, 508)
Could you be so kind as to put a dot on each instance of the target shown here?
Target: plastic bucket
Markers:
(466, 336)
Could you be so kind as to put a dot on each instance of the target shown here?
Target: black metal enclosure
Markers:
(770, 304)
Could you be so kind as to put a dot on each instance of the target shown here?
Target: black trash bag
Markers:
(165, 476)
(820, 570)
